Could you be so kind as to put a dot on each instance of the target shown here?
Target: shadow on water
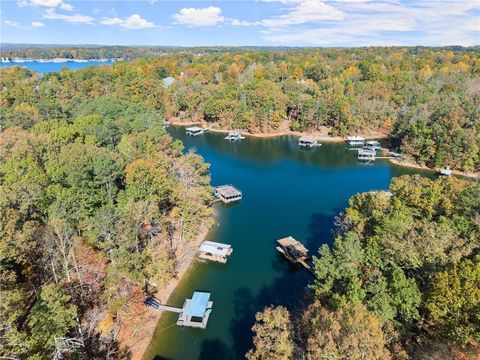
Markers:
(214, 350)
(290, 289)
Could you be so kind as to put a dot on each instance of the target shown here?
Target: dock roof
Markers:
(289, 241)
(228, 191)
(308, 139)
(194, 128)
(199, 304)
(215, 248)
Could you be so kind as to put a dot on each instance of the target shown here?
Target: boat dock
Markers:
(308, 142)
(228, 193)
(355, 141)
(234, 136)
(194, 313)
(215, 251)
(366, 155)
(294, 251)
(195, 130)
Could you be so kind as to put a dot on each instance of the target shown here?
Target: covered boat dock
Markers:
(194, 313)
(294, 251)
(215, 251)
(195, 130)
(228, 193)
(308, 142)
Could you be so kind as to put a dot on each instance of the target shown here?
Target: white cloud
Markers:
(67, 7)
(46, 3)
(76, 18)
(199, 17)
(111, 21)
(37, 24)
(306, 11)
(13, 24)
(134, 21)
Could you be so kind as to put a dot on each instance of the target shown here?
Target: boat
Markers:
(234, 136)
(446, 172)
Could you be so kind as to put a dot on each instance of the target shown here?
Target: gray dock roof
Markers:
(228, 191)
(215, 248)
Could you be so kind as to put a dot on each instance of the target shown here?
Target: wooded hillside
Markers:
(427, 100)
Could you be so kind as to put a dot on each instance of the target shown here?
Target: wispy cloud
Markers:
(306, 11)
(46, 3)
(51, 14)
(37, 24)
(387, 22)
(198, 17)
(13, 24)
(134, 22)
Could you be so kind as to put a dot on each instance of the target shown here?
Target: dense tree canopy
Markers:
(427, 100)
(93, 204)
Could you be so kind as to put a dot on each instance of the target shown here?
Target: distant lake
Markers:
(286, 191)
(50, 66)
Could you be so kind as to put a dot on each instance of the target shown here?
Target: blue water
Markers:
(45, 67)
(286, 191)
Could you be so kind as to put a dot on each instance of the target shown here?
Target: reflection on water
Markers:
(286, 191)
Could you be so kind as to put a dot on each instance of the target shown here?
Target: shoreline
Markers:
(139, 341)
(413, 165)
(323, 136)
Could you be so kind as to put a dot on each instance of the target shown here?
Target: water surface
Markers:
(50, 66)
(286, 191)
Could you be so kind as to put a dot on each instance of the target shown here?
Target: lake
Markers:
(50, 66)
(286, 191)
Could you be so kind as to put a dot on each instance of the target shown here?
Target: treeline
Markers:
(401, 281)
(93, 206)
(426, 100)
(88, 52)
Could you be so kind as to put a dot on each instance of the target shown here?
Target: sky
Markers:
(326, 23)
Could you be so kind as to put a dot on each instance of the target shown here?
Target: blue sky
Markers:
(248, 22)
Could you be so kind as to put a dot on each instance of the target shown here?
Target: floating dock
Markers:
(195, 130)
(373, 145)
(355, 141)
(228, 193)
(308, 142)
(294, 251)
(215, 251)
(194, 313)
(234, 136)
(366, 155)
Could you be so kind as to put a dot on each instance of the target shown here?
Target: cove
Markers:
(286, 191)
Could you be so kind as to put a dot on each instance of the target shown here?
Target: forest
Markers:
(401, 281)
(96, 197)
(426, 101)
(92, 209)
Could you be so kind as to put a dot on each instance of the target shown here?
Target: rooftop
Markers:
(194, 128)
(228, 191)
(199, 303)
(168, 80)
(291, 242)
(215, 248)
(307, 139)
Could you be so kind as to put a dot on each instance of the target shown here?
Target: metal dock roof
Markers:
(199, 304)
